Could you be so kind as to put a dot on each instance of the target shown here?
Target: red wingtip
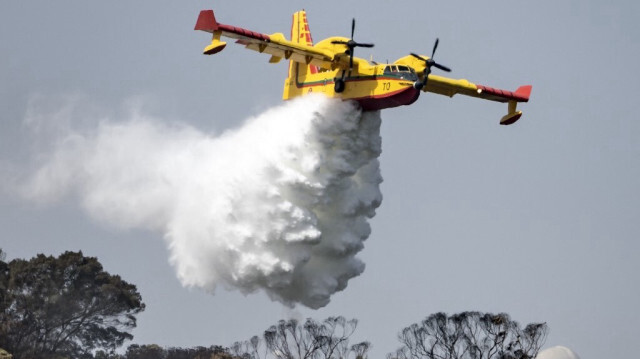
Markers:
(206, 21)
(524, 91)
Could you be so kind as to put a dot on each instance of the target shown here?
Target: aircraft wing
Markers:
(275, 45)
(449, 87)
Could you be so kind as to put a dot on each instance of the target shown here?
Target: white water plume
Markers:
(280, 204)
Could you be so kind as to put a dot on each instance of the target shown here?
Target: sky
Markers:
(538, 219)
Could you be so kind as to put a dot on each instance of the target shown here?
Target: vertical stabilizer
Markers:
(300, 34)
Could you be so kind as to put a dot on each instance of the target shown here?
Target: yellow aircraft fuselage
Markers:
(370, 85)
(373, 86)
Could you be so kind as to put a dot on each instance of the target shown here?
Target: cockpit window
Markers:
(394, 68)
(403, 72)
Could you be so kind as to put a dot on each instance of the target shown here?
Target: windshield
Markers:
(403, 72)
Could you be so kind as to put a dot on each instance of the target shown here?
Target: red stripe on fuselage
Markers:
(405, 96)
(347, 80)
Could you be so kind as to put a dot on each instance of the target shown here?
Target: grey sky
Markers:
(539, 219)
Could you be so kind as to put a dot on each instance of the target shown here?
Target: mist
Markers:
(281, 204)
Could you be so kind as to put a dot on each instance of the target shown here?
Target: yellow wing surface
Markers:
(449, 87)
(275, 44)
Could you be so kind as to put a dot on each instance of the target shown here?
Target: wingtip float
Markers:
(330, 67)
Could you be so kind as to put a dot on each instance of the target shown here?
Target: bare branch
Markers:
(470, 335)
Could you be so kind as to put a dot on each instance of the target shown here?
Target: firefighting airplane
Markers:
(329, 67)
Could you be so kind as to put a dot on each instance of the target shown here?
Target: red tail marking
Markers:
(312, 68)
(303, 33)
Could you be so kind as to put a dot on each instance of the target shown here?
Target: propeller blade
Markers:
(363, 45)
(430, 62)
(353, 27)
(441, 67)
(339, 42)
(435, 46)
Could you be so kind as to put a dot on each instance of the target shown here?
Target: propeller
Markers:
(429, 63)
(351, 44)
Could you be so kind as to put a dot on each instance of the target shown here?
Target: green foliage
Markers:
(64, 307)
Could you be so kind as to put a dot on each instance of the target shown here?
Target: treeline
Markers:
(153, 351)
(286, 339)
(69, 307)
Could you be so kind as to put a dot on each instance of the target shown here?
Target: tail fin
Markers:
(300, 34)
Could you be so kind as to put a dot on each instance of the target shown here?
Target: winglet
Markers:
(206, 21)
(520, 95)
(524, 91)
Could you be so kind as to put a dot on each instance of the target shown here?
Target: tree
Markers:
(312, 340)
(470, 335)
(4, 303)
(65, 307)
